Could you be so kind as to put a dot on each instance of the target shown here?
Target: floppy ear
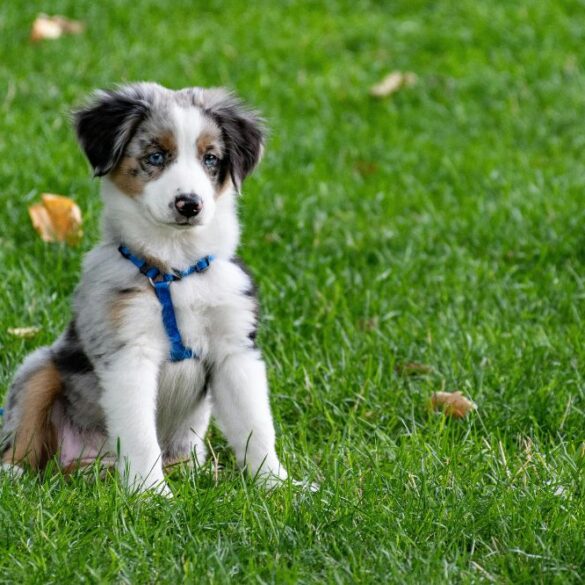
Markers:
(107, 124)
(242, 130)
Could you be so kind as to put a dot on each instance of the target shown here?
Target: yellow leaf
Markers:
(25, 332)
(57, 219)
(392, 83)
(452, 404)
(52, 27)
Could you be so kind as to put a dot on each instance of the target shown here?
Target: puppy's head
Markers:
(174, 153)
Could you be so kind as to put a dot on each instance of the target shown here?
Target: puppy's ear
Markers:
(242, 129)
(106, 125)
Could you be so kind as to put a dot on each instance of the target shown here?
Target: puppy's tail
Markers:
(29, 437)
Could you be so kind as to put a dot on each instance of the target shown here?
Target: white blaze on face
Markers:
(186, 175)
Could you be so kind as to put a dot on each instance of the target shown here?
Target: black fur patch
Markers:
(105, 127)
(70, 357)
(207, 379)
(126, 291)
(251, 292)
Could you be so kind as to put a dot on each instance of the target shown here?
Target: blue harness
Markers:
(162, 288)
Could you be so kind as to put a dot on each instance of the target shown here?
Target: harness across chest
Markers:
(161, 282)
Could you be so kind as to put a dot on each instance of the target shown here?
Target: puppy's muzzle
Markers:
(189, 205)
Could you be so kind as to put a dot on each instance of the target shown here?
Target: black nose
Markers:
(189, 205)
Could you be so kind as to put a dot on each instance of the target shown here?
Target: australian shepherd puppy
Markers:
(164, 317)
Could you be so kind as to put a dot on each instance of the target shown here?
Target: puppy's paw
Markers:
(163, 489)
(306, 485)
(159, 489)
(11, 469)
(146, 483)
(271, 482)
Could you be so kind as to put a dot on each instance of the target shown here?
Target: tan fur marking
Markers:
(168, 143)
(36, 440)
(209, 141)
(127, 177)
(120, 305)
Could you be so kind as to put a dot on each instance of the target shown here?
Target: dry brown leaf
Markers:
(413, 369)
(25, 332)
(57, 219)
(392, 83)
(452, 403)
(52, 27)
(365, 167)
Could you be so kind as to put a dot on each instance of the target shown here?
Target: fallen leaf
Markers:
(25, 332)
(52, 27)
(392, 83)
(365, 168)
(57, 219)
(452, 404)
(413, 369)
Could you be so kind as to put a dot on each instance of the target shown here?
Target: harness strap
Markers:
(162, 288)
(178, 351)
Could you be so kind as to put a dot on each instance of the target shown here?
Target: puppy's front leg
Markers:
(129, 404)
(242, 409)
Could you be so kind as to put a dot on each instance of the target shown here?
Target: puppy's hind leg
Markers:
(29, 437)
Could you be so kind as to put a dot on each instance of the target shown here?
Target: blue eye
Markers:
(156, 159)
(210, 161)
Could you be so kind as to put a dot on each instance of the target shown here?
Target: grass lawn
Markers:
(442, 226)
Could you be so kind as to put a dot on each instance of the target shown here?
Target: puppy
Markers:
(164, 317)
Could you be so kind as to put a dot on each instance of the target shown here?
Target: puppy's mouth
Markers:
(183, 222)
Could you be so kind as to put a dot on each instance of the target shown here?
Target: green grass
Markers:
(442, 226)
